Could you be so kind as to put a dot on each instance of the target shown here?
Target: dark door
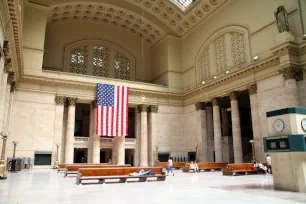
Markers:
(163, 157)
(102, 157)
(42, 159)
(192, 156)
(80, 156)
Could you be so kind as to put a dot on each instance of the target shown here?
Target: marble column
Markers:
(138, 135)
(143, 109)
(95, 139)
(236, 129)
(210, 132)
(10, 81)
(217, 131)
(152, 154)
(3, 90)
(69, 147)
(291, 75)
(120, 150)
(58, 127)
(201, 116)
(258, 143)
(224, 122)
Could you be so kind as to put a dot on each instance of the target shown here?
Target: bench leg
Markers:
(143, 179)
(101, 181)
(122, 180)
(161, 178)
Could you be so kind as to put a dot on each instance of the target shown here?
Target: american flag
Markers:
(112, 110)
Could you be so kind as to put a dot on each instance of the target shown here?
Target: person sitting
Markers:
(110, 161)
(262, 168)
(143, 172)
(255, 166)
(196, 167)
(192, 167)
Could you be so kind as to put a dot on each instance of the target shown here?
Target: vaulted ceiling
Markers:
(150, 20)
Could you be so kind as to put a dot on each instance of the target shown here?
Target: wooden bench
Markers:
(206, 166)
(121, 175)
(235, 169)
(73, 169)
(62, 167)
(177, 165)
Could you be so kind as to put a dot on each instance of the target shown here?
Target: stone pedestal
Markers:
(284, 37)
(217, 131)
(236, 128)
(144, 135)
(69, 147)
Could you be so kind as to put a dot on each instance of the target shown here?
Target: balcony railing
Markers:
(81, 139)
(106, 140)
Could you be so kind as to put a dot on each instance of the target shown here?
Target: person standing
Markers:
(170, 166)
(269, 163)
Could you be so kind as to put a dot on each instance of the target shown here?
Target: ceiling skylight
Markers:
(183, 4)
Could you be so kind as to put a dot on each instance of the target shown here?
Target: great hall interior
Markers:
(212, 81)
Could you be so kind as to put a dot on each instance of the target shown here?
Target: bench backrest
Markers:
(62, 166)
(116, 171)
(203, 165)
(77, 167)
(175, 164)
(240, 166)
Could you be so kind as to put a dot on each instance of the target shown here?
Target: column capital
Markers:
(215, 102)
(8, 64)
(154, 108)
(72, 101)
(143, 108)
(60, 100)
(252, 89)
(292, 72)
(94, 104)
(200, 106)
(10, 77)
(13, 86)
(234, 95)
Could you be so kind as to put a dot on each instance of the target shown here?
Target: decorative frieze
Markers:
(292, 72)
(71, 101)
(7, 64)
(142, 108)
(215, 102)
(60, 100)
(154, 108)
(252, 89)
(94, 104)
(200, 106)
(234, 96)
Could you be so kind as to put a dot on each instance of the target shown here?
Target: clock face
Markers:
(304, 124)
(278, 125)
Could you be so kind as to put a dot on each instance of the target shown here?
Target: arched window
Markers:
(226, 49)
(99, 58)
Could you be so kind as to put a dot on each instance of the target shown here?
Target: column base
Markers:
(3, 171)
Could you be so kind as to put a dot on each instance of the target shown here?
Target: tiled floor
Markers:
(45, 186)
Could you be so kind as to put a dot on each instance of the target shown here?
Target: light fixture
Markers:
(203, 82)
(229, 109)
(251, 141)
(215, 77)
(304, 36)
(256, 58)
(227, 72)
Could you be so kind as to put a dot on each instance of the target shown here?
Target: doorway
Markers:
(105, 155)
(192, 156)
(80, 155)
(129, 156)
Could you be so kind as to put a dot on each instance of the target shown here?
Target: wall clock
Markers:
(304, 124)
(278, 125)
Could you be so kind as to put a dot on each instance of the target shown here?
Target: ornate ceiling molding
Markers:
(109, 14)
(179, 21)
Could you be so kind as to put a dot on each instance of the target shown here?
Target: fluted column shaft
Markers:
(201, 114)
(3, 92)
(217, 131)
(236, 129)
(144, 135)
(96, 148)
(69, 147)
(120, 150)
(58, 127)
(138, 136)
(7, 102)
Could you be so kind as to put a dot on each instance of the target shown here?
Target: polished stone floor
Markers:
(45, 186)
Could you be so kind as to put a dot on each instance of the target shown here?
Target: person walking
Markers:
(170, 166)
(269, 163)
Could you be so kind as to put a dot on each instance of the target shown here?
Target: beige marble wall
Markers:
(32, 123)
